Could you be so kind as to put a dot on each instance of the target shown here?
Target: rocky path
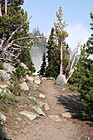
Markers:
(54, 126)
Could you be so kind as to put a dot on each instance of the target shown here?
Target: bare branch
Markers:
(18, 29)
(72, 67)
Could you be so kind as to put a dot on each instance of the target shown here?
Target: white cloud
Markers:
(77, 33)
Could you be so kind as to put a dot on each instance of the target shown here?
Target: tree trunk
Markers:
(61, 59)
(6, 7)
(0, 10)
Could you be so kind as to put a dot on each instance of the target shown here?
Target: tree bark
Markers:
(61, 59)
(0, 10)
(6, 7)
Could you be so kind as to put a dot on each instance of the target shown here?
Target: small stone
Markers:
(23, 65)
(41, 104)
(66, 115)
(19, 119)
(3, 86)
(63, 89)
(24, 86)
(61, 79)
(37, 81)
(42, 96)
(30, 78)
(46, 106)
(8, 67)
(2, 117)
(43, 78)
(5, 75)
(32, 98)
(30, 115)
(39, 110)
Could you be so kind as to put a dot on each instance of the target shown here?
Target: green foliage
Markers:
(16, 16)
(1, 78)
(90, 48)
(32, 101)
(1, 66)
(53, 68)
(15, 88)
(20, 72)
(82, 81)
(7, 102)
(25, 57)
(43, 66)
(82, 78)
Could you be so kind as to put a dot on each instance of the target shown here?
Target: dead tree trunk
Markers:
(61, 59)
(6, 7)
(0, 9)
(72, 67)
(9, 51)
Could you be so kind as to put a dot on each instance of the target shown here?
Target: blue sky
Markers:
(76, 13)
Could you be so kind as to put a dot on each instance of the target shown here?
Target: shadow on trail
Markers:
(72, 103)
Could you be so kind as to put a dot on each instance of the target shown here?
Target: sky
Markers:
(76, 13)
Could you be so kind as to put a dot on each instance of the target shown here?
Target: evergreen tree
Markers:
(82, 80)
(61, 35)
(53, 56)
(10, 31)
(43, 66)
(25, 57)
(90, 48)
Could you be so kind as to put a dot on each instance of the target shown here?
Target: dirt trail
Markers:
(47, 128)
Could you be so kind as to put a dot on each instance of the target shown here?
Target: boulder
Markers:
(43, 78)
(37, 81)
(8, 67)
(30, 78)
(41, 104)
(24, 86)
(5, 75)
(2, 117)
(61, 80)
(30, 115)
(46, 106)
(23, 65)
(3, 86)
(42, 96)
(39, 110)
(66, 115)
(31, 98)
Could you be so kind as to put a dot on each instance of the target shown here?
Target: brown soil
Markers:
(60, 99)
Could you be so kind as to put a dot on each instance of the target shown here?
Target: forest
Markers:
(70, 68)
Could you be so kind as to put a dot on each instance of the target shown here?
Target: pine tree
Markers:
(25, 57)
(90, 48)
(10, 31)
(82, 80)
(53, 56)
(43, 66)
(61, 35)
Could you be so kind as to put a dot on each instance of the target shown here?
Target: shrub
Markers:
(15, 88)
(32, 101)
(7, 102)
(1, 65)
